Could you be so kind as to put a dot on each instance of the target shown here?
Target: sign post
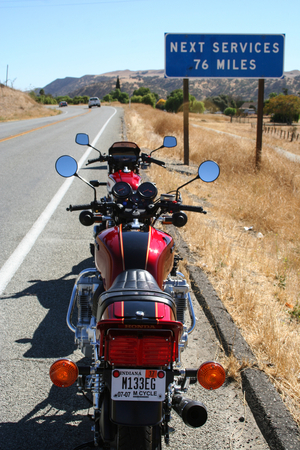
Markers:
(259, 127)
(225, 56)
(186, 104)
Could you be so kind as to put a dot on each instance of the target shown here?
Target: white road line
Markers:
(15, 260)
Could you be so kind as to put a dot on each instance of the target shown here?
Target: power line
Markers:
(81, 3)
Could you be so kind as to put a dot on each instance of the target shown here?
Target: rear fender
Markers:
(136, 413)
(108, 429)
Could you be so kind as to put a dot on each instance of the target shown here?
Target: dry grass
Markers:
(16, 105)
(255, 272)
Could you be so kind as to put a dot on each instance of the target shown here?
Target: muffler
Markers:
(193, 413)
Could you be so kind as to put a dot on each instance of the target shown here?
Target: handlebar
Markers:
(174, 207)
(95, 206)
(78, 207)
(192, 208)
(148, 159)
(90, 161)
(100, 159)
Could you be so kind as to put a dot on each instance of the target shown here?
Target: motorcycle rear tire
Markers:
(139, 438)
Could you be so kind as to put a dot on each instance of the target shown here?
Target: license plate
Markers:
(138, 385)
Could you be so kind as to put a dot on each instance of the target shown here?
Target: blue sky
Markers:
(42, 40)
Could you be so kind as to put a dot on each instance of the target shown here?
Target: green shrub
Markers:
(123, 97)
(142, 91)
(161, 104)
(197, 107)
(136, 99)
(149, 99)
(230, 112)
(108, 98)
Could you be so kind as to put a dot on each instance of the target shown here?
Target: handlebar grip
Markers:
(192, 208)
(90, 161)
(155, 161)
(147, 159)
(78, 207)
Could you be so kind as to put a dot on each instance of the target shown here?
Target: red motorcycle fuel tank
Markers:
(129, 177)
(117, 250)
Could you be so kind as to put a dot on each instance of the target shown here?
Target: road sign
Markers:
(224, 55)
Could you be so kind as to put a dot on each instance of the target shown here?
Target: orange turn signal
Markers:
(211, 375)
(63, 373)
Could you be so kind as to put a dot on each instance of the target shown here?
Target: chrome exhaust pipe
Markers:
(193, 413)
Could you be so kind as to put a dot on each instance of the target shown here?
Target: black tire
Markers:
(139, 438)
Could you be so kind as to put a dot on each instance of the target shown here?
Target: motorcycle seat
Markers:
(134, 285)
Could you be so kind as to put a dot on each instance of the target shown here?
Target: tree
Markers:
(161, 104)
(142, 91)
(284, 108)
(149, 99)
(117, 95)
(174, 100)
(123, 97)
(108, 98)
(210, 106)
(136, 99)
(118, 85)
(197, 107)
(273, 94)
(230, 112)
(221, 101)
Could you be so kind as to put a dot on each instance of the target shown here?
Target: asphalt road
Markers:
(54, 247)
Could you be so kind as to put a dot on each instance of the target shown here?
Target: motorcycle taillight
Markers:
(143, 349)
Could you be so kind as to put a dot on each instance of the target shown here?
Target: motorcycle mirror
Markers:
(66, 166)
(208, 171)
(170, 141)
(82, 139)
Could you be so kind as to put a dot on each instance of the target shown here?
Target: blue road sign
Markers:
(224, 55)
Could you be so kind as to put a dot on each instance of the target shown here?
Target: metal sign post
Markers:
(260, 116)
(224, 56)
(186, 105)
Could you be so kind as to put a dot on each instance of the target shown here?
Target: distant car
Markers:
(63, 104)
(94, 101)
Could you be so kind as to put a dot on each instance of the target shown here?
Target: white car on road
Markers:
(94, 101)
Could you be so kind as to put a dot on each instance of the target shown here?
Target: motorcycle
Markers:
(124, 161)
(132, 317)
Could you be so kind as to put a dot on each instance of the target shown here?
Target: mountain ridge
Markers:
(100, 85)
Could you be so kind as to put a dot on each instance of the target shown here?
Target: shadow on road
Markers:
(59, 421)
(52, 338)
(48, 426)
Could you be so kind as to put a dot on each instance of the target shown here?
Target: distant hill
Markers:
(100, 85)
(17, 105)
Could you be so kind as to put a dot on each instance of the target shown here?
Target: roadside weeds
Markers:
(248, 244)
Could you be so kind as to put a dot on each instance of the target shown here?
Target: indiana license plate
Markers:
(138, 385)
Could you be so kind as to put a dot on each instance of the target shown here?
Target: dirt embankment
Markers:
(17, 105)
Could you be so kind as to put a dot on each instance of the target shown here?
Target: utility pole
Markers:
(186, 106)
(260, 117)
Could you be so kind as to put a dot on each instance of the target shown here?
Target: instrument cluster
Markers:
(145, 193)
